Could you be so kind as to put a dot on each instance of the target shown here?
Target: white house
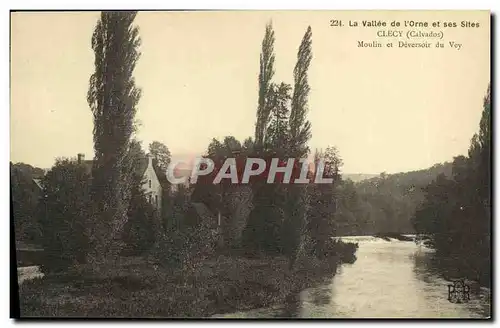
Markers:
(151, 184)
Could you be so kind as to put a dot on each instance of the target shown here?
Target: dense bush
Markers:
(186, 246)
(25, 196)
(142, 227)
(65, 211)
(65, 208)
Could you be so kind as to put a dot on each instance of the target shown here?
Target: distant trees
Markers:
(456, 212)
(352, 214)
(431, 216)
(381, 204)
(112, 97)
(160, 154)
(385, 203)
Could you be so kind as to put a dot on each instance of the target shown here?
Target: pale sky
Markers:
(385, 109)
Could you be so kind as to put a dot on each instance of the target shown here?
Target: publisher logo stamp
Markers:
(458, 292)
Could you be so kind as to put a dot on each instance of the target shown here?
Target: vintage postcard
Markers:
(251, 164)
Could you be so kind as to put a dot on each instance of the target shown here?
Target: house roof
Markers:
(38, 182)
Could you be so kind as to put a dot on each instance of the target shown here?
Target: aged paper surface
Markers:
(252, 164)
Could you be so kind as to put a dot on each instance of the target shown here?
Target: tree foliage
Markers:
(64, 215)
(266, 74)
(160, 154)
(25, 195)
(298, 197)
(112, 97)
(456, 213)
(143, 225)
(300, 127)
(277, 132)
(279, 217)
(321, 225)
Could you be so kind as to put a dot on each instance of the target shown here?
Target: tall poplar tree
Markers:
(300, 132)
(300, 127)
(112, 97)
(277, 130)
(265, 76)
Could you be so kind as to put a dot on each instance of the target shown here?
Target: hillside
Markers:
(385, 203)
(405, 181)
(358, 177)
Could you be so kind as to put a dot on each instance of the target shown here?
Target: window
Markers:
(149, 183)
(149, 198)
(156, 199)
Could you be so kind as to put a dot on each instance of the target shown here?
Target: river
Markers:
(390, 279)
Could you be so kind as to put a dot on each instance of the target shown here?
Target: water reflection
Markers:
(389, 280)
(321, 296)
(428, 269)
(299, 303)
(292, 306)
(422, 265)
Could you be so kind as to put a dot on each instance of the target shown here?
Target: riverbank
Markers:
(140, 288)
(388, 280)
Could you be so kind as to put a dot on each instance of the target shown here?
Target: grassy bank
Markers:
(140, 288)
(28, 257)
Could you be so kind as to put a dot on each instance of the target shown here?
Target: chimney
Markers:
(81, 158)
